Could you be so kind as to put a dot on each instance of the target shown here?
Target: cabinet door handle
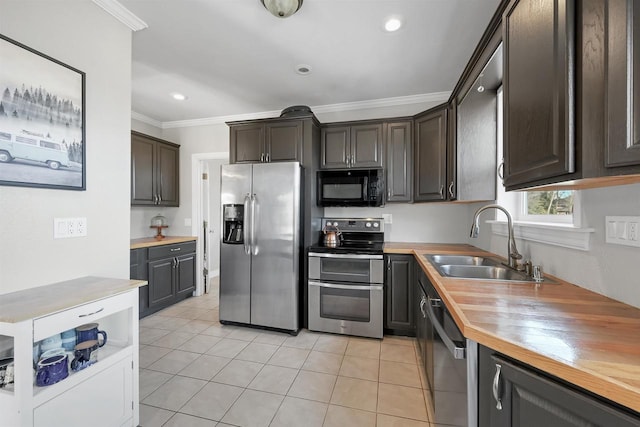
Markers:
(496, 387)
(347, 160)
(501, 170)
(177, 263)
(442, 191)
(451, 190)
(91, 314)
(267, 157)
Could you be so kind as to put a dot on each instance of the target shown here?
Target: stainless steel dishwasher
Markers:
(451, 363)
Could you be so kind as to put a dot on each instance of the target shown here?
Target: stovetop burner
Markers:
(358, 236)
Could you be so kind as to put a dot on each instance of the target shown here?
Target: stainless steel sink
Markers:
(477, 267)
(483, 272)
(462, 260)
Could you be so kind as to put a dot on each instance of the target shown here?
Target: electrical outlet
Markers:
(632, 231)
(623, 230)
(388, 218)
(81, 226)
(69, 227)
(72, 227)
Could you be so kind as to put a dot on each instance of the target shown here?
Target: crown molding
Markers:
(331, 108)
(383, 102)
(219, 120)
(145, 119)
(122, 14)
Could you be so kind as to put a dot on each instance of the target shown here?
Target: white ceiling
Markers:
(232, 57)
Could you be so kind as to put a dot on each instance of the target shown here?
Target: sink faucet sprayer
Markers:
(512, 252)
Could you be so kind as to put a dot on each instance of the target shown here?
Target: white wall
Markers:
(419, 222)
(82, 35)
(146, 128)
(611, 270)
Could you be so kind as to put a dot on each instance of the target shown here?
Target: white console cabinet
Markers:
(103, 394)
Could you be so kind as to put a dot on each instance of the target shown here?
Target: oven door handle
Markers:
(456, 352)
(348, 287)
(346, 256)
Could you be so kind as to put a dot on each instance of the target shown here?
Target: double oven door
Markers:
(346, 293)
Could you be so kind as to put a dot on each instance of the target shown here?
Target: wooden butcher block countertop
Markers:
(147, 242)
(577, 335)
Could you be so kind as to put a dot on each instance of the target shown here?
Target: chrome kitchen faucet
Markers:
(512, 252)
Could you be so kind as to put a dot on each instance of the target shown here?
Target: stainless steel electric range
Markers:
(346, 282)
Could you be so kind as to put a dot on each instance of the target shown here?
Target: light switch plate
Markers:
(64, 228)
(623, 230)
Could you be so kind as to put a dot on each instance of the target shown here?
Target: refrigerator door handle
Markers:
(254, 245)
(247, 230)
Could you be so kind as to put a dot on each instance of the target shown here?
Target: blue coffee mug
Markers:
(86, 354)
(90, 332)
(52, 370)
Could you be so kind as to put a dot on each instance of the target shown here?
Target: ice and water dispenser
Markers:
(233, 218)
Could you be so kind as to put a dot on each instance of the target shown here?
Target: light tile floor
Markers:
(196, 372)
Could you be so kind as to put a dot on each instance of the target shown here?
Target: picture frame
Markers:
(42, 120)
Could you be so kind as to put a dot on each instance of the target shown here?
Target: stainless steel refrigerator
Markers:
(260, 244)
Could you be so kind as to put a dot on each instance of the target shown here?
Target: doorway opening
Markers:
(206, 215)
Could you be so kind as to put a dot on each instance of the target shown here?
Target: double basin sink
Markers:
(476, 267)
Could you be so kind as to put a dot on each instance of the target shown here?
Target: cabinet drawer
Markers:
(167, 251)
(44, 327)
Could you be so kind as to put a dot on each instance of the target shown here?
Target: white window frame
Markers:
(572, 220)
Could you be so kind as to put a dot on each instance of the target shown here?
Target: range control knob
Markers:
(368, 225)
(335, 224)
(376, 225)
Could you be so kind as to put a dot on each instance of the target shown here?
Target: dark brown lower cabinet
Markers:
(171, 273)
(399, 316)
(161, 282)
(514, 394)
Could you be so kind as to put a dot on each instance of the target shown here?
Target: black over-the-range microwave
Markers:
(350, 187)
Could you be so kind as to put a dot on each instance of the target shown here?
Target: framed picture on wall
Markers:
(42, 120)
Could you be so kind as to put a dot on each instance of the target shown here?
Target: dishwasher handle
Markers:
(456, 352)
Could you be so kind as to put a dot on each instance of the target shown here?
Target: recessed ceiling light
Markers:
(303, 69)
(178, 96)
(392, 24)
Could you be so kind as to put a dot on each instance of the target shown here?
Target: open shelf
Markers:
(107, 356)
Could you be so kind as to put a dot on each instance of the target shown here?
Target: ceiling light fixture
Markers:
(392, 24)
(178, 96)
(282, 8)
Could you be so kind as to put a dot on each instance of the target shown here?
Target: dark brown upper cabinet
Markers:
(475, 106)
(622, 83)
(539, 80)
(155, 171)
(352, 145)
(399, 174)
(430, 155)
(266, 141)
